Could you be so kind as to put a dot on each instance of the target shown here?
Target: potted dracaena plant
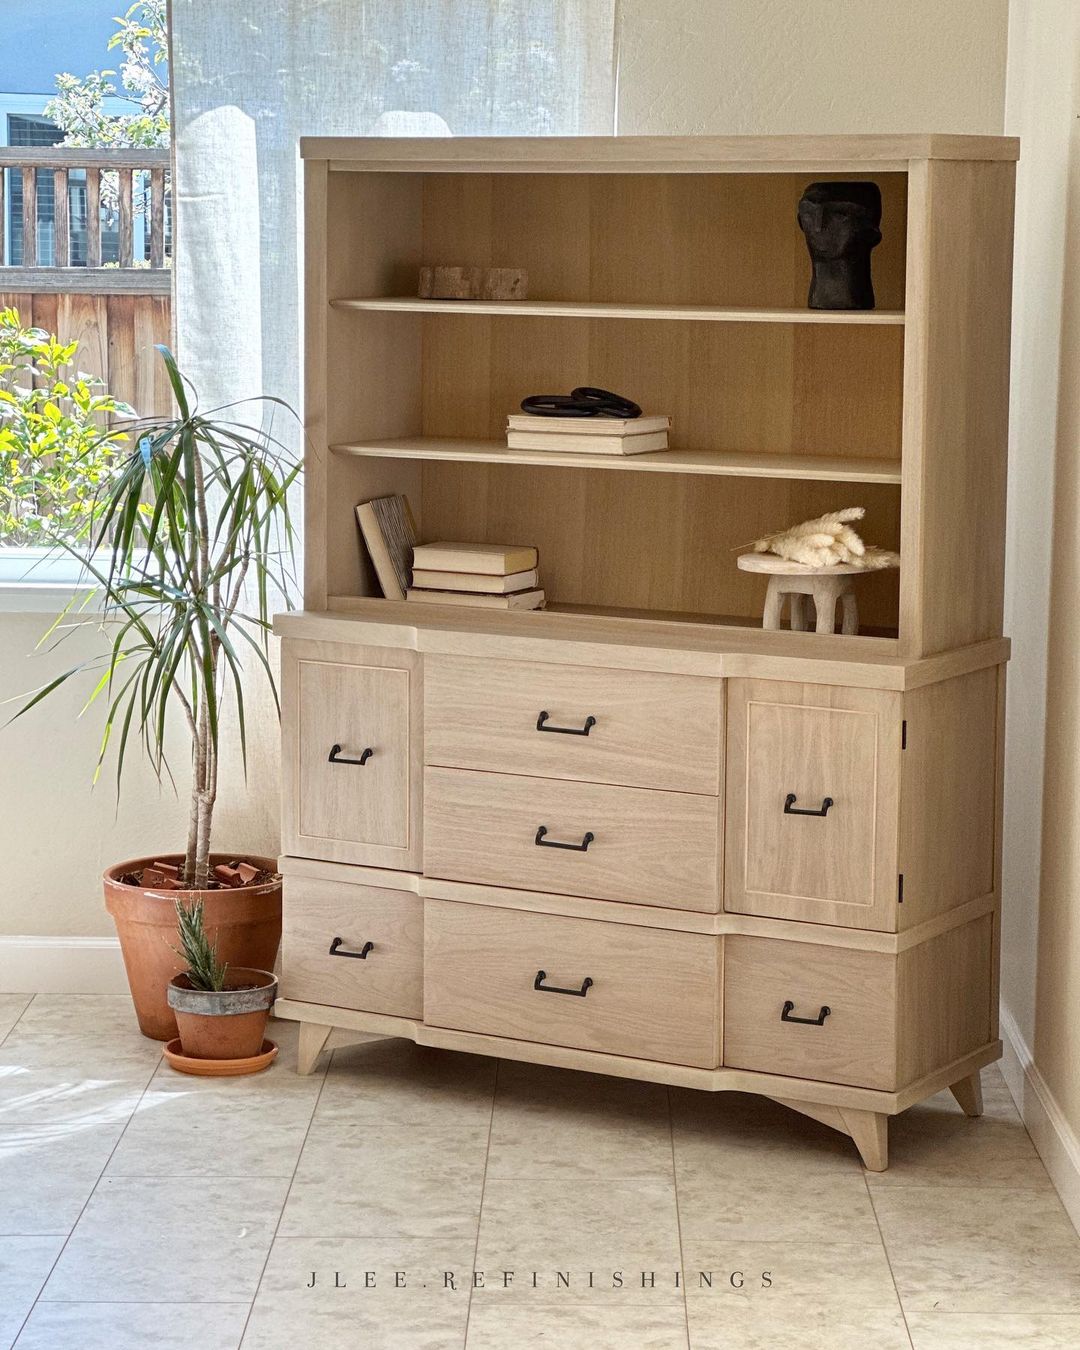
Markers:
(221, 1010)
(189, 539)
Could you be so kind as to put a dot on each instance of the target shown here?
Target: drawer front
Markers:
(648, 993)
(769, 983)
(641, 729)
(813, 803)
(327, 923)
(347, 726)
(611, 843)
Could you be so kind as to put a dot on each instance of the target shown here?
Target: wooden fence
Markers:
(93, 235)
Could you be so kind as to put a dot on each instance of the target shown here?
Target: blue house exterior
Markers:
(40, 39)
(37, 41)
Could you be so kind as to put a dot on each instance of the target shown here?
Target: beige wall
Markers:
(1039, 110)
(788, 66)
(56, 835)
(1043, 97)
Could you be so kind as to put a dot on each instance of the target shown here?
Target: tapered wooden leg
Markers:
(870, 1131)
(312, 1039)
(968, 1093)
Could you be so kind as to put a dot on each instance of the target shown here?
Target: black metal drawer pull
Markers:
(336, 758)
(541, 842)
(790, 809)
(818, 1021)
(541, 976)
(541, 725)
(361, 955)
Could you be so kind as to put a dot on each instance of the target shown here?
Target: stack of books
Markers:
(494, 576)
(587, 435)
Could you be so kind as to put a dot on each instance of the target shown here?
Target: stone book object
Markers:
(473, 283)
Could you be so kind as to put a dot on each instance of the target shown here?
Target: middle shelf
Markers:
(605, 309)
(732, 464)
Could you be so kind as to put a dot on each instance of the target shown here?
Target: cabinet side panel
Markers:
(949, 795)
(956, 403)
(315, 319)
(943, 999)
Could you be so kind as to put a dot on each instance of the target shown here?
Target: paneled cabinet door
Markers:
(812, 803)
(350, 730)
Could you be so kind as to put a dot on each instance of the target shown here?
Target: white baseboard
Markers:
(61, 965)
(1051, 1133)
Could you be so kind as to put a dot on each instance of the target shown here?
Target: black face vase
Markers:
(841, 223)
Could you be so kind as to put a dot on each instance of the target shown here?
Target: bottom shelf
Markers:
(449, 616)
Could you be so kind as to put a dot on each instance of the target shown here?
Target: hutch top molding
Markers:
(651, 154)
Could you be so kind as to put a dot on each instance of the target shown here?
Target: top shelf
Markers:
(599, 309)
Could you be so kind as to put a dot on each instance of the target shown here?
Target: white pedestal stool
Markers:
(793, 582)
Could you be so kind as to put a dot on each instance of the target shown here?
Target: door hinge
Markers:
(903, 734)
(900, 889)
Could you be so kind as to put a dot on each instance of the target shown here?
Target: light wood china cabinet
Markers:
(635, 833)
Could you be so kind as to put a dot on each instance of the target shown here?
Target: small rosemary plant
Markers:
(204, 970)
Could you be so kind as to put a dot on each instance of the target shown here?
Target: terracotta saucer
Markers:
(219, 1068)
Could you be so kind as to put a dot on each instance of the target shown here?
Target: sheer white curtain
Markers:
(251, 77)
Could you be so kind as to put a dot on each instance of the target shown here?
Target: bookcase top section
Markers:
(649, 154)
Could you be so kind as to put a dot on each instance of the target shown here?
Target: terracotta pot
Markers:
(245, 922)
(227, 1023)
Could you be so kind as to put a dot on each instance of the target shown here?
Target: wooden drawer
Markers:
(320, 915)
(347, 728)
(856, 1042)
(834, 752)
(892, 1019)
(642, 729)
(653, 994)
(614, 843)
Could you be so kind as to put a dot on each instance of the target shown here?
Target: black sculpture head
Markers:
(841, 223)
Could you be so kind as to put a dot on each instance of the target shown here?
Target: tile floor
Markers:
(140, 1208)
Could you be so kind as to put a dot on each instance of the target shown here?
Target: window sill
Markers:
(42, 597)
(40, 581)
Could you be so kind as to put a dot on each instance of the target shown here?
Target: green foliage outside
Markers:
(143, 81)
(58, 453)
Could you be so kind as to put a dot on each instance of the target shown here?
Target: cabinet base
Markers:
(861, 1113)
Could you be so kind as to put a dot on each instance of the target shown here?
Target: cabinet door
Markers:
(349, 737)
(812, 803)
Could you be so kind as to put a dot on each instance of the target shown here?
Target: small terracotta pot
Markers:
(244, 922)
(227, 1023)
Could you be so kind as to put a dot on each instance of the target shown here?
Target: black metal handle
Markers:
(541, 976)
(541, 721)
(554, 843)
(357, 956)
(790, 809)
(335, 756)
(818, 1021)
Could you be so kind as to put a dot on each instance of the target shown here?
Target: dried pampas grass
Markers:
(826, 541)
